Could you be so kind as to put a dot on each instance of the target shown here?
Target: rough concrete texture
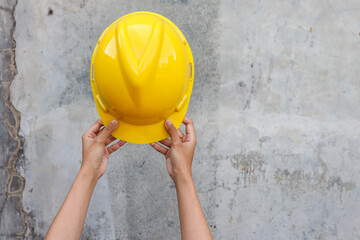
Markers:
(13, 218)
(275, 104)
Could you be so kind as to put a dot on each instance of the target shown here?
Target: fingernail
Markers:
(167, 122)
(114, 122)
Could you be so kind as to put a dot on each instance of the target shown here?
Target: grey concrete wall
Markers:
(275, 104)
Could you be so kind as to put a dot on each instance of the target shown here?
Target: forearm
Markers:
(192, 219)
(69, 221)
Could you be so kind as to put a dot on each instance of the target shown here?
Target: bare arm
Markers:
(179, 152)
(192, 220)
(69, 221)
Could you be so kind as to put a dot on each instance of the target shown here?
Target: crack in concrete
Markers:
(6, 9)
(13, 130)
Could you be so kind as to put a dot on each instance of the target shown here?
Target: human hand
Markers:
(94, 147)
(179, 150)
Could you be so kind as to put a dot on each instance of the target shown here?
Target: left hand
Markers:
(94, 147)
(178, 151)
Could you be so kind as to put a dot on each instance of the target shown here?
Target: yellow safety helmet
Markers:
(142, 72)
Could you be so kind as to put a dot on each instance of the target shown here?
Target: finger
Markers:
(180, 133)
(171, 129)
(115, 146)
(190, 130)
(95, 127)
(166, 142)
(110, 128)
(110, 140)
(102, 128)
(159, 148)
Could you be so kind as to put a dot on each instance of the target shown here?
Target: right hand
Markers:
(95, 143)
(179, 150)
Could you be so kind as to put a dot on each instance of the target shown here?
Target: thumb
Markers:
(171, 129)
(108, 130)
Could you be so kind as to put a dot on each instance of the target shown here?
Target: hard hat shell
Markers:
(142, 73)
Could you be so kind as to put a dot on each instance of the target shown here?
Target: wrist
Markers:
(89, 175)
(183, 179)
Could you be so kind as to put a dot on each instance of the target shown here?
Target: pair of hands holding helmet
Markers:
(178, 150)
(97, 146)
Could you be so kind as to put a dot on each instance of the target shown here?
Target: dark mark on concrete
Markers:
(241, 84)
(11, 219)
(3, 180)
(250, 164)
(8, 5)
(50, 11)
(175, 1)
(16, 184)
(299, 181)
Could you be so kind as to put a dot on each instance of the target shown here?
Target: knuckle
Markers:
(108, 131)
(111, 127)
